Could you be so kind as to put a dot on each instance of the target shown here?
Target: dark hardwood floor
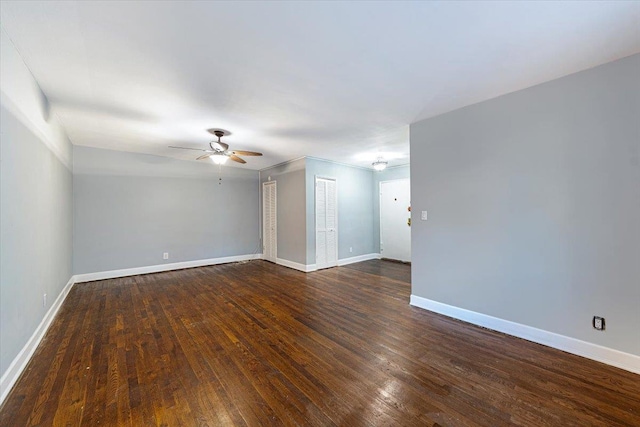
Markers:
(258, 344)
(390, 269)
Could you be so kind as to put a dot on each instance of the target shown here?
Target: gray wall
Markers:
(130, 208)
(355, 208)
(290, 196)
(389, 174)
(534, 206)
(36, 232)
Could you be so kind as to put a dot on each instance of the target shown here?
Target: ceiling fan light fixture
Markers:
(219, 158)
(219, 151)
(379, 165)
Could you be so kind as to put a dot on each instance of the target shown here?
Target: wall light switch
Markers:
(423, 216)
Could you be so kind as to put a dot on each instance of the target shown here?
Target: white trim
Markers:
(359, 258)
(619, 359)
(18, 364)
(260, 235)
(318, 159)
(30, 124)
(264, 217)
(308, 268)
(380, 222)
(87, 277)
(397, 166)
(283, 163)
(315, 215)
(296, 265)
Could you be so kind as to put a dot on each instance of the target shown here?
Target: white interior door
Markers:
(269, 222)
(395, 229)
(326, 223)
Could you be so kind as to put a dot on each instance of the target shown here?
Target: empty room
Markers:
(345, 213)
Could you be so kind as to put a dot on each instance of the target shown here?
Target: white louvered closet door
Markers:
(326, 223)
(269, 223)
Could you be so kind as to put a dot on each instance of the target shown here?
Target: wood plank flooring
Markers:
(258, 344)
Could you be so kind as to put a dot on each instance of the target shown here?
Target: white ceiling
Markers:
(335, 80)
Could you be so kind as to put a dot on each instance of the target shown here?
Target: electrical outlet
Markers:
(423, 215)
(165, 255)
(350, 249)
(598, 323)
(44, 300)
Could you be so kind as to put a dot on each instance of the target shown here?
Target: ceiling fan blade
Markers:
(205, 156)
(246, 153)
(236, 158)
(187, 148)
(219, 145)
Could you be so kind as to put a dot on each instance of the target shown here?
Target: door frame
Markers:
(380, 209)
(264, 228)
(315, 216)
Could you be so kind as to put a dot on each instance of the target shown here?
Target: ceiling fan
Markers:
(219, 152)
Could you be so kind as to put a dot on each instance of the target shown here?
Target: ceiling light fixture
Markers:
(219, 158)
(379, 164)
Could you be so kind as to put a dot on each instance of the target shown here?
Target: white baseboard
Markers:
(88, 277)
(296, 265)
(359, 258)
(619, 359)
(308, 268)
(18, 364)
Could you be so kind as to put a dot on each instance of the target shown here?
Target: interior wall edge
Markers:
(23, 97)
(305, 268)
(65, 158)
(19, 363)
(112, 274)
(533, 200)
(359, 258)
(308, 268)
(282, 164)
(609, 356)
